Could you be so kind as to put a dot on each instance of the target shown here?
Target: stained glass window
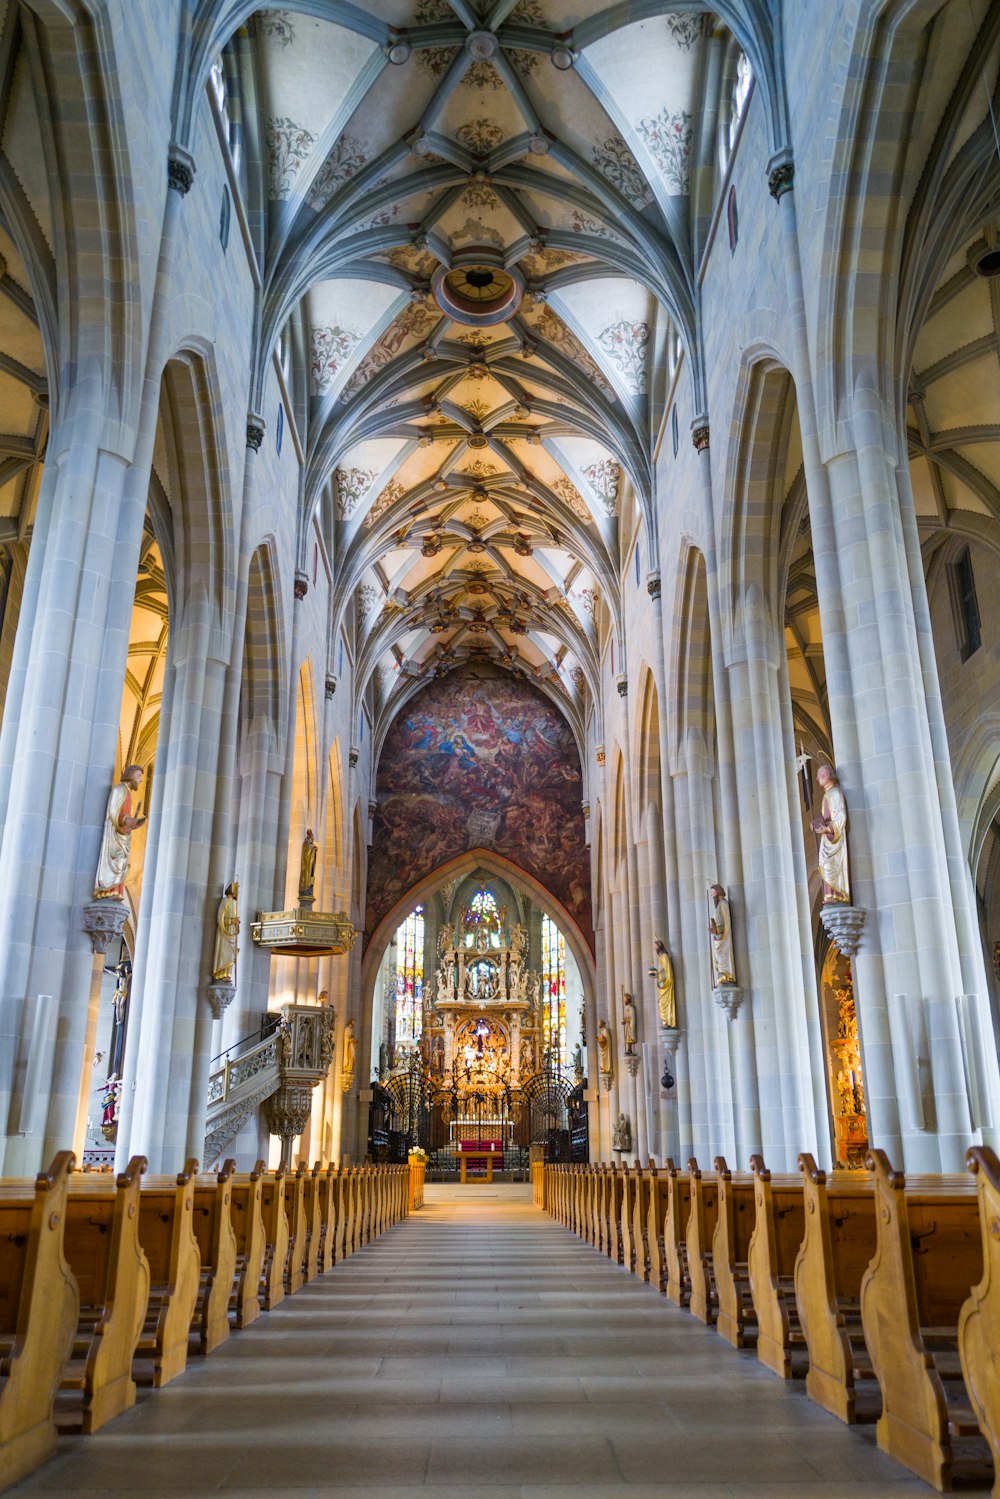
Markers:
(410, 979)
(482, 913)
(553, 992)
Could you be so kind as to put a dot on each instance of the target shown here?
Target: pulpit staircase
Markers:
(278, 1066)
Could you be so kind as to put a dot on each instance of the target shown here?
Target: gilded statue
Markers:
(831, 825)
(307, 869)
(628, 1023)
(666, 992)
(604, 1059)
(227, 928)
(720, 931)
(350, 1058)
(120, 822)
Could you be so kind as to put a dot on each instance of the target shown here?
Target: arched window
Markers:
(410, 979)
(737, 81)
(553, 992)
(482, 915)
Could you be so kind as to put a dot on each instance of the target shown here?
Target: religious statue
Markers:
(112, 1092)
(227, 926)
(666, 993)
(307, 869)
(628, 1023)
(831, 825)
(350, 1058)
(720, 931)
(604, 1061)
(447, 937)
(527, 1057)
(622, 1137)
(578, 1063)
(519, 941)
(120, 822)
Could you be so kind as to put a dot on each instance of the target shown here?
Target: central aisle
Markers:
(478, 1349)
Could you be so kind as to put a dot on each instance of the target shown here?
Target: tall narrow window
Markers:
(483, 915)
(410, 979)
(553, 993)
(225, 216)
(965, 605)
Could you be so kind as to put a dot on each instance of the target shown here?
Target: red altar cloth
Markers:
(495, 1146)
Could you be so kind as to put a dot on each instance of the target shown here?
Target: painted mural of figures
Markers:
(120, 822)
(605, 1062)
(831, 825)
(227, 929)
(666, 990)
(720, 931)
(307, 869)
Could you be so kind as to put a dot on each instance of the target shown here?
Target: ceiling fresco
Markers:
(483, 231)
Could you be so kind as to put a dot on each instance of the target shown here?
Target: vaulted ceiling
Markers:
(485, 235)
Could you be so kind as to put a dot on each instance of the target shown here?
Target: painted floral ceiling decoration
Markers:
(476, 476)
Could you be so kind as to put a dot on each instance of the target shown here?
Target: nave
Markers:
(478, 1347)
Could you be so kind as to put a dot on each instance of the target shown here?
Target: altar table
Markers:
(489, 1156)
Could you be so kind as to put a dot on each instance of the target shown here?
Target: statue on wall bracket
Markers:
(842, 920)
(666, 989)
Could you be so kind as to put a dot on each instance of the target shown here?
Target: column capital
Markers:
(653, 584)
(780, 174)
(256, 427)
(104, 920)
(700, 434)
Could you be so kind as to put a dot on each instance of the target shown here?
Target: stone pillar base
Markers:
(843, 925)
(729, 998)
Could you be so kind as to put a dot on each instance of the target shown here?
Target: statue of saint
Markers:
(578, 1063)
(307, 869)
(519, 941)
(622, 1137)
(527, 1061)
(447, 937)
(120, 822)
(666, 993)
(831, 825)
(720, 931)
(227, 927)
(350, 1057)
(604, 1061)
(628, 1023)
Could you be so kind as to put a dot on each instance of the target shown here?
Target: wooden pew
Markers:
(979, 1321)
(166, 1233)
(837, 1243)
(614, 1209)
(702, 1214)
(675, 1235)
(730, 1252)
(928, 1255)
(601, 1239)
(655, 1227)
(592, 1186)
(39, 1308)
(295, 1212)
(272, 1203)
(627, 1179)
(312, 1188)
(328, 1219)
(640, 1216)
(251, 1245)
(779, 1227)
(102, 1248)
(216, 1239)
(350, 1209)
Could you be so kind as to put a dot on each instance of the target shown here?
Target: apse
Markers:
(480, 759)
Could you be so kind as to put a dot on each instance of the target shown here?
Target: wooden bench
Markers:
(350, 1209)
(312, 1204)
(39, 1309)
(251, 1246)
(928, 1256)
(295, 1212)
(328, 1219)
(272, 1205)
(675, 1235)
(602, 1237)
(166, 1233)
(103, 1250)
(640, 1229)
(627, 1179)
(979, 1320)
(216, 1238)
(703, 1210)
(838, 1242)
(734, 1224)
(655, 1229)
(779, 1227)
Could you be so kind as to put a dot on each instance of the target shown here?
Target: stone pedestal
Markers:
(220, 994)
(844, 925)
(728, 997)
(104, 920)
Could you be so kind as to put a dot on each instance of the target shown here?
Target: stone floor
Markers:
(478, 1349)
